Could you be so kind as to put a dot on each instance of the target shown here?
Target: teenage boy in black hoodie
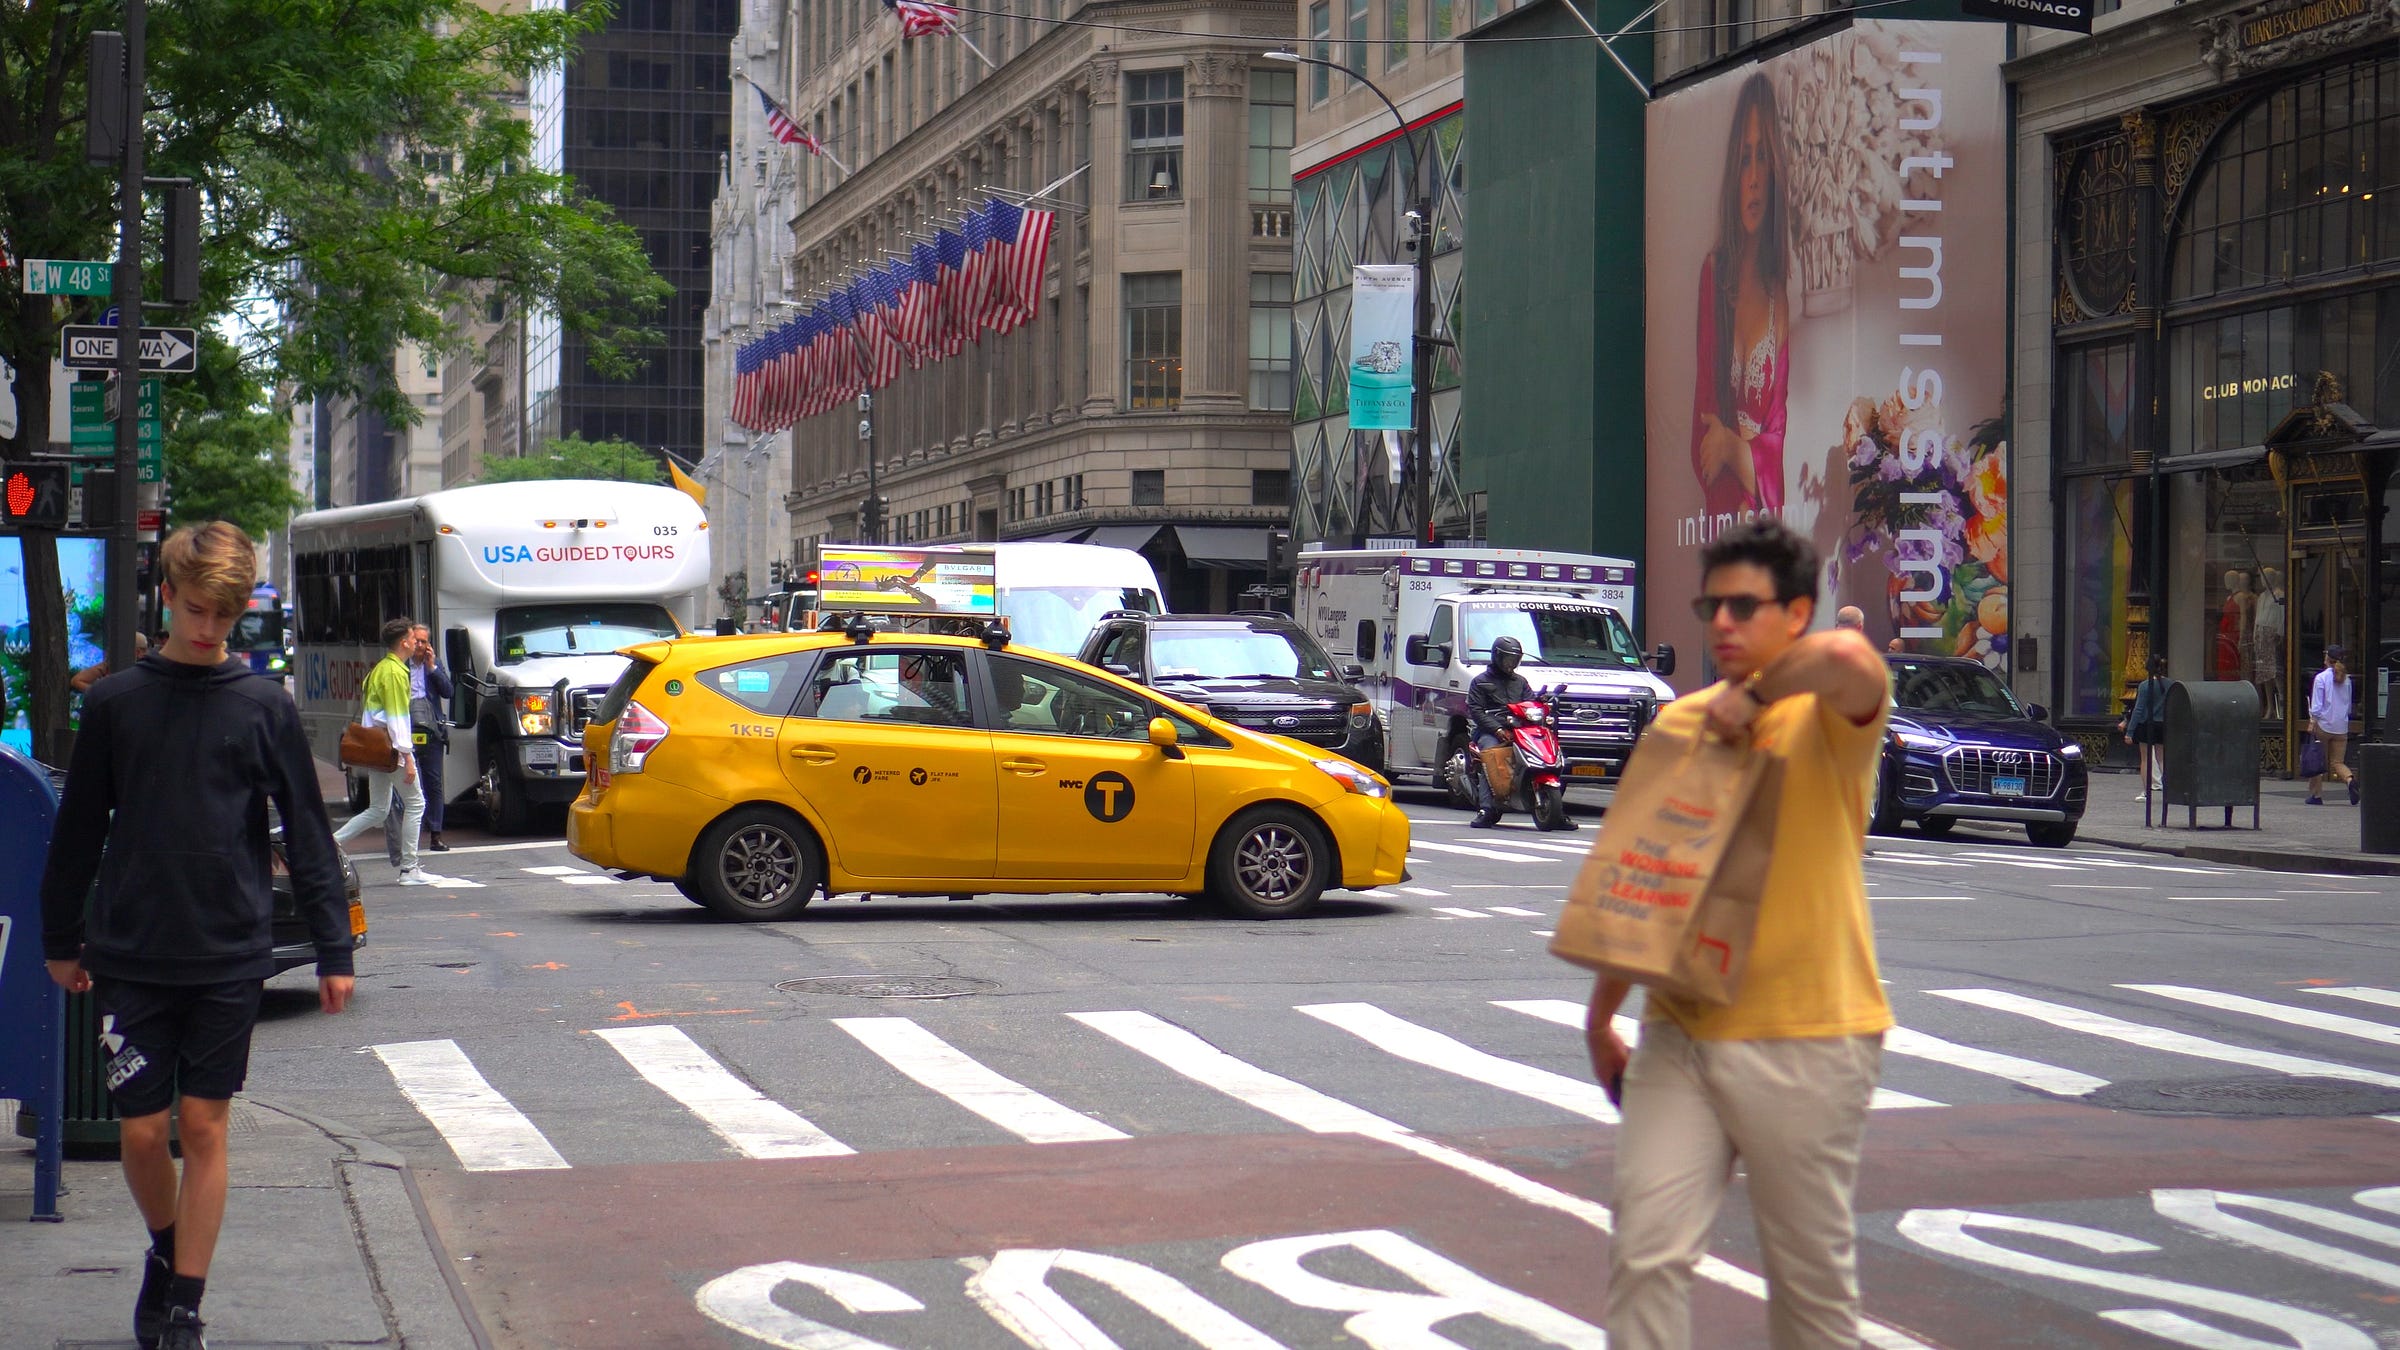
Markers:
(166, 804)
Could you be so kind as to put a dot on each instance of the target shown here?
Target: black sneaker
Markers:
(1484, 820)
(183, 1331)
(150, 1309)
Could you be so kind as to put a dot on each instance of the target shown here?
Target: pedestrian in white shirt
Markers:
(2329, 720)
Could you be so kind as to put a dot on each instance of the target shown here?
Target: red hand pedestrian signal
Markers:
(33, 496)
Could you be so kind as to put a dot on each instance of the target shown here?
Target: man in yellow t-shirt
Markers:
(1780, 1079)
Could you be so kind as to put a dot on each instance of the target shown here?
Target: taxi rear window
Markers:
(612, 705)
(766, 684)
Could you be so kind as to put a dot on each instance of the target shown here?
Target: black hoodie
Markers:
(166, 803)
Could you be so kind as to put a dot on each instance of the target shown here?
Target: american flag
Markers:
(745, 385)
(977, 227)
(1028, 262)
(921, 18)
(950, 315)
(883, 355)
(781, 126)
(891, 299)
(783, 402)
(918, 304)
(995, 303)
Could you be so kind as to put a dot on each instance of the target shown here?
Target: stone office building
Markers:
(1148, 405)
(2206, 313)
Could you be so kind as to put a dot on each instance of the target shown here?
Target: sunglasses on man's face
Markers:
(1742, 607)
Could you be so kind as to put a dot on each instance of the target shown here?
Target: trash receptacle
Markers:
(30, 1004)
(2378, 770)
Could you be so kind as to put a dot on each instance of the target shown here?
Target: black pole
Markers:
(1420, 375)
(122, 606)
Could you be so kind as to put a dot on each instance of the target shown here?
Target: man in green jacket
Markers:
(386, 707)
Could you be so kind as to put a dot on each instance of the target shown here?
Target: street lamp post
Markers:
(1420, 220)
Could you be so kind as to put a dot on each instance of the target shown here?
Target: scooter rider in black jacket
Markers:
(1488, 697)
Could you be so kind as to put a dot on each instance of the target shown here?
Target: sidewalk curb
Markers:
(2265, 859)
(405, 1260)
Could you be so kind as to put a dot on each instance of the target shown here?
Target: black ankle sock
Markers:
(184, 1291)
(162, 1241)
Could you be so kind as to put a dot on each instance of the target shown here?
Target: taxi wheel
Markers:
(1271, 863)
(691, 891)
(756, 864)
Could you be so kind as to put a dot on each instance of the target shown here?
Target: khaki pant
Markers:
(1792, 1111)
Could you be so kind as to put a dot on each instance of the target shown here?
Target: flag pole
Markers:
(960, 34)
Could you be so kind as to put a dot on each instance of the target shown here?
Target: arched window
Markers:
(2304, 183)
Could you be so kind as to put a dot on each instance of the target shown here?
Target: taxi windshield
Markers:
(1225, 651)
(1590, 637)
(1059, 618)
(527, 631)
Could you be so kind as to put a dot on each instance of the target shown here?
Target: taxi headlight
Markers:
(535, 717)
(1354, 779)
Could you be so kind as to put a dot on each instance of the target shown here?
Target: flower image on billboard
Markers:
(1826, 238)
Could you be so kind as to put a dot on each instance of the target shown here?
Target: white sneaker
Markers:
(415, 876)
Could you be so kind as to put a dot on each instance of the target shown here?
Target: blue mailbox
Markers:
(32, 1009)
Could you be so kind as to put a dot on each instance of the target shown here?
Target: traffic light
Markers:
(33, 497)
(1279, 550)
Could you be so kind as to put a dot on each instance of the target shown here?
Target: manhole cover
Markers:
(889, 986)
(2276, 1096)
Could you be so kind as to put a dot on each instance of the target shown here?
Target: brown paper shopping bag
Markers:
(1668, 896)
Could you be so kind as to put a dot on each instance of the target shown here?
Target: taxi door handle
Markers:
(814, 754)
(1028, 767)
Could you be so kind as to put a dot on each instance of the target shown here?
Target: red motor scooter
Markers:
(1540, 789)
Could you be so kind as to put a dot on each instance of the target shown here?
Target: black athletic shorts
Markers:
(161, 1039)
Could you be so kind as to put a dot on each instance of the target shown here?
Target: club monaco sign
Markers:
(2240, 41)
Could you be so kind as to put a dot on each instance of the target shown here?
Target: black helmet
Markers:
(1506, 653)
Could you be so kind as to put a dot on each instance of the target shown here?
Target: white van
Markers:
(1421, 622)
(530, 589)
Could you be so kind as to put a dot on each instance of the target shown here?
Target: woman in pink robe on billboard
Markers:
(1744, 373)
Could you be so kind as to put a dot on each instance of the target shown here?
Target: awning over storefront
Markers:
(1074, 536)
(1225, 546)
(2213, 459)
(1124, 536)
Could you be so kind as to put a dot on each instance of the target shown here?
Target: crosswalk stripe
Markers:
(1547, 846)
(2032, 1073)
(1426, 891)
(1516, 912)
(1457, 913)
(2278, 1012)
(479, 1125)
(2160, 1038)
(1208, 1066)
(2363, 993)
(1568, 1014)
(1905, 861)
(555, 871)
(1312, 1110)
(740, 1114)
(1434, 1050)
(1003, 1101)
(1490, 854)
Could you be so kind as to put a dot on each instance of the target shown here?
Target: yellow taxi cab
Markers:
(757, 771)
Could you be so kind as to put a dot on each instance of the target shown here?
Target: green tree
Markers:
(575, 457)
(354, 157)
(228, 446)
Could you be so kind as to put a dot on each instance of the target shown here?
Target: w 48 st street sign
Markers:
(168, 351)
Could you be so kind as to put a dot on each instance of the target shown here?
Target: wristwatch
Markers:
(1750, 686)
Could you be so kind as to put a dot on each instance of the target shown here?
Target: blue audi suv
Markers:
(1962, 748)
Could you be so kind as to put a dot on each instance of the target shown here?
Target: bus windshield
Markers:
(259, 630)
(1059, 618)
(527, 631)
(1590, 637)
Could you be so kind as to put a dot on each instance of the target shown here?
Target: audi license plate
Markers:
(2008, 787)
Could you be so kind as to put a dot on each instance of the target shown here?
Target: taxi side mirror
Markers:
(1162, 733)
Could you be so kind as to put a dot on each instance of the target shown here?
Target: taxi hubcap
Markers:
(1273, 862)
(759, 865)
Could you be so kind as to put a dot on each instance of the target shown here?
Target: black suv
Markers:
(1262, 672)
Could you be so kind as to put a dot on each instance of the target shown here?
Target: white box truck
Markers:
(529, 589)
(1421, 623)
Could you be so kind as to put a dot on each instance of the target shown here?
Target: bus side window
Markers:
(1365, 650)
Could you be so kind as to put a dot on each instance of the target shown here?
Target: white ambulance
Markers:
(529, 588)
(1421, 623)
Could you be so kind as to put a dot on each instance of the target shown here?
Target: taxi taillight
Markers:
(638, 732)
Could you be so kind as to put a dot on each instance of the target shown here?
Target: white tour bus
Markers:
(1053, 595)
(530, 589)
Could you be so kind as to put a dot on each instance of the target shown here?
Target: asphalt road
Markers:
(1081, 1122)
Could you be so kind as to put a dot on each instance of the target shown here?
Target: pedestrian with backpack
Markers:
(2145, 727)
(177, 760)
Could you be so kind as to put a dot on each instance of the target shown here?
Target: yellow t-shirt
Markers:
(1812, 962)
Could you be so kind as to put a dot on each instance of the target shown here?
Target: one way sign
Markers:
(168, 351)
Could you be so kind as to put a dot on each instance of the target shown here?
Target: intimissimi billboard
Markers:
(1826, 325)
